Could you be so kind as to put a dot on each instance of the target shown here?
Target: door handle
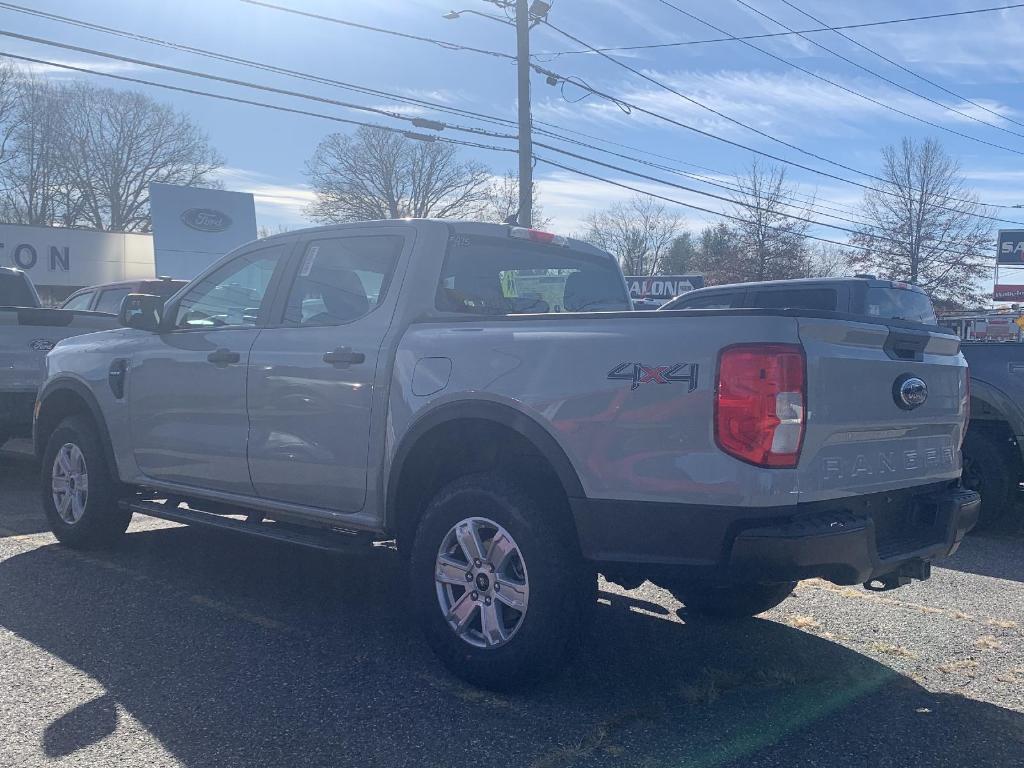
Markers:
(223, 357)
(344, 356)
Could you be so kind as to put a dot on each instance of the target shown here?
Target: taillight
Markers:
(761, 403)
(537, 236)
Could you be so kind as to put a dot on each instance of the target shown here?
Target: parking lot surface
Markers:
(186, 647)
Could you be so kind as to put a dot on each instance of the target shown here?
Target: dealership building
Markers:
(192, 228)
(60, 260)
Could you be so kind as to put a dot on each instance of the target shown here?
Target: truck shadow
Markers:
(242, 653)
(1000, 556)
(19, 484)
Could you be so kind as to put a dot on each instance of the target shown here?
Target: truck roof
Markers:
(811, 281)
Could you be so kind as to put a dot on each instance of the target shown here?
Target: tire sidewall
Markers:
(554, 570)
(101, 520)
(993, 474)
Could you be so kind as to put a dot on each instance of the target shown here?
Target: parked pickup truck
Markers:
(27, 333)
(994, 446)
(483, 395)
(992, 450)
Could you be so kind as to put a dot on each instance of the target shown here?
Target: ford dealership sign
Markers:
(206, 220)
(662, 287)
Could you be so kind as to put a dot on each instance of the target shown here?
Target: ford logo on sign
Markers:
(909, 392)
(206, 219)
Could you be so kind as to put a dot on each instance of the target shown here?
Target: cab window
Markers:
(110, 300)
(342, 279)
(79, 302)
(232, 295)
(823, 299)
(724, 300)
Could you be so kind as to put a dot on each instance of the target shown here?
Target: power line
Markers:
(740, 203)
(251, 102)
(334, 20)
(250, 63)
(657, 196)
(733, 120)
(764, 35)
(880, 76)
(419, 122)
(377, 92)
(834, 84)
(906, 69)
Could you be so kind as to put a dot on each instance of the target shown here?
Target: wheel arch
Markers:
(65, 397)
(488, 421)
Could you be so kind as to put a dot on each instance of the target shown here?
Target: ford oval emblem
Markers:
(206, 219)
(41, 345)
(909, 392)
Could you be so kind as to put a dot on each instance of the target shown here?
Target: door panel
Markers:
(311, 380)
(187, 385)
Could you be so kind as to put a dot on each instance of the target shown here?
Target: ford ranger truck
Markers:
(482, 395)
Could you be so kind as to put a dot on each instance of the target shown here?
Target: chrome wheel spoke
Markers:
(511, 593)
(69, 483)
(469, 540)
(64, 457)
(502, 547)
(490, 624)
(63, 505)
(59, 484)
(82, 484)
(448, 571)
(462, 612)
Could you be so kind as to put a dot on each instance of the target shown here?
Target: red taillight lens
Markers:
(761, 403)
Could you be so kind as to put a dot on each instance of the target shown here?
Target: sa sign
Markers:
(1010, 244)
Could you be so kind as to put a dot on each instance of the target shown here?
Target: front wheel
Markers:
(498, 584)
(78, 487)
(730, 601)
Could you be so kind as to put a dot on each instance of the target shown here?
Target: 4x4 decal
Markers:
(638, 374)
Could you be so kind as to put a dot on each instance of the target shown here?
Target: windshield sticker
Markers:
(309, 260)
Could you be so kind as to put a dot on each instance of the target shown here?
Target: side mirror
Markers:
(142, 311)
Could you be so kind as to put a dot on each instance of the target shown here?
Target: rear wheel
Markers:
(988, 470)
(498, 584)
(78, 489)
(730, 601)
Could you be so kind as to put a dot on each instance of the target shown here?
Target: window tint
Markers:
(501, 276)
(712, 301)
(232, 294)
(900, 304)
(342, 279)
(110, 300)
(823, 299)
(81, 301)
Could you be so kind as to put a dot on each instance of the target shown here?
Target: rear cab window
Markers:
(823, 299)
(15, 292)
(721, 300)
(495, 275)
(896, 301)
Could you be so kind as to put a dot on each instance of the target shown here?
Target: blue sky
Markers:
(265, 152)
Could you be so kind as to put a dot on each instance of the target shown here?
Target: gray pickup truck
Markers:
(27, 333)
(483, 395)
(994, 446)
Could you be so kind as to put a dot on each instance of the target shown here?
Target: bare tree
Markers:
(34, 170)
(117, 143)
(771, 244)
(502, 201)
(379, 174)
(922, 225)
(639, 232)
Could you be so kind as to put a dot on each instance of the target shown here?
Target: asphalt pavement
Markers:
(186, 647)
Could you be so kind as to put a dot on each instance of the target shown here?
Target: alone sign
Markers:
(662, 287)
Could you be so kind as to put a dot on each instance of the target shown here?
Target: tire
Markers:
(730, 601)
(988, 470)
(538, 563)
(86, 520)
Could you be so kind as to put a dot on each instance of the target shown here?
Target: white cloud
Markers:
(55, 71)
(277, 203)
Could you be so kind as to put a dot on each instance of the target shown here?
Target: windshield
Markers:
(15, 291)
(501, 276)
(900, 304)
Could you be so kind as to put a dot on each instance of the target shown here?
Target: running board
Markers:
(327, 540)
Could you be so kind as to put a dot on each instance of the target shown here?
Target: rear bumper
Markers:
(846, 541)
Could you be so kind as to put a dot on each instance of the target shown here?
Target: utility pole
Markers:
(525, 119)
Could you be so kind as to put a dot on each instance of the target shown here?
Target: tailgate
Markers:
(862, 435)
(27, 334)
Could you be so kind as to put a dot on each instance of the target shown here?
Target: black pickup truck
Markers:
(994, 447)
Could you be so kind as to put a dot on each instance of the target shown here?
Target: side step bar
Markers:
(327, 541)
